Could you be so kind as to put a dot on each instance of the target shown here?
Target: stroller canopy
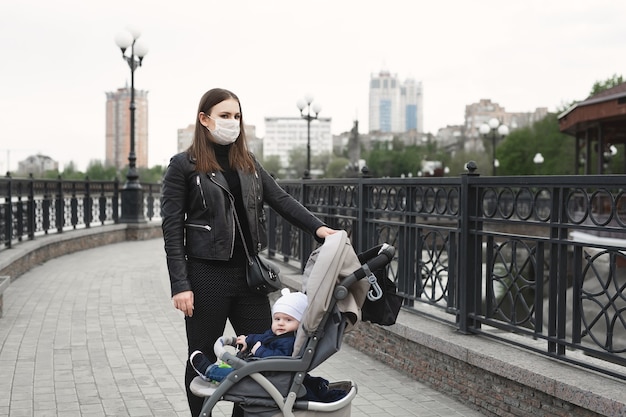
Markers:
(325, 268)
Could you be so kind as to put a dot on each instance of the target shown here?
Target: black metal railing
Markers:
(537, 261)
(34, 207)
(541, 257)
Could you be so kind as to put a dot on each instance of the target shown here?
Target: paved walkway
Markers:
(94, 334)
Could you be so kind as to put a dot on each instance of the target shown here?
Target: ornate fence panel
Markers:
(419, 217)
(542, 257)
(553, 264)
(36, 207)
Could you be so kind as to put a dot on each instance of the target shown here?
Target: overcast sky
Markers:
(59, 59)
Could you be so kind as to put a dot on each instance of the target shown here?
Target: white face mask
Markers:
(226, 130)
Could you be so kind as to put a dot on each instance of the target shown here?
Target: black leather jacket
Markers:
(198, 214)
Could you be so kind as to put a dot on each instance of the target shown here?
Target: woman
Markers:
(202, 189)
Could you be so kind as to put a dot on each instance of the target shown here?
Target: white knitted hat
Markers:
(292, 303)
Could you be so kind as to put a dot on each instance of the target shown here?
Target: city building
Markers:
(255, 144)
(525, 119)
(475, 115)
(36, 165)
(118, 128)
(185, 137)
(450, 137)
(395, 106)
(284, 134)
(478, 113)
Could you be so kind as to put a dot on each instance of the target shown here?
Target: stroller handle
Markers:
(218, 347)
(385, 255)
(225, 356)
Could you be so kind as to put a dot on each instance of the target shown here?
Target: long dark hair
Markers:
(202, 147)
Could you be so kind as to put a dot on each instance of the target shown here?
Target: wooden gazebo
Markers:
(599, 125)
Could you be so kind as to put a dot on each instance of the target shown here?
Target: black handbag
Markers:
(261, 275)
(386, 308)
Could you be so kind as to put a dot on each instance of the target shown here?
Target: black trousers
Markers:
(220, 293)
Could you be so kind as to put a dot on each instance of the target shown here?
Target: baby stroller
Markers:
(274, 386)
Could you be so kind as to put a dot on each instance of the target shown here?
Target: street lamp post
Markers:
(538, 160)
(607, 155)
(132, 194)
(494, 129)
(308, 103)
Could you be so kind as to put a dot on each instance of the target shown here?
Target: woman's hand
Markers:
(183, 301)
(324, 231)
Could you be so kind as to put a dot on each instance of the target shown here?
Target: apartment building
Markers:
(118, 128)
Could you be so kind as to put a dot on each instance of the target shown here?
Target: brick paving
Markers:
(94, 334)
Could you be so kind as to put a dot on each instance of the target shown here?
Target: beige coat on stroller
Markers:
(273, 387)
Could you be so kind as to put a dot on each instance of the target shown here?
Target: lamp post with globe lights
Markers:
(607, 155)
(132, 195)
(538, 160)
(494, 129)
(307, 102)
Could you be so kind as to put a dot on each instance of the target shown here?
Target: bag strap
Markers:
(243, 239)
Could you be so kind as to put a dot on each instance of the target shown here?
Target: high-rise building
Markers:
(118, 128)
(395, 106)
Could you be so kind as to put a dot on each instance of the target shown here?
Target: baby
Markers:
(277, 341)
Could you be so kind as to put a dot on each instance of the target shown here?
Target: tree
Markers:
(337, 167)
(50, 174)
(517, 151)
(457, 163)
(71, 173)
(600, 86)
(272, 164)
(380, 163)
(97, 171)
(152, 175)
(297, 163)
(400, 159)
(321, 160)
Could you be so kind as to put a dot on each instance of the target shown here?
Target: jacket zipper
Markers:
(201, 190)
(199, 226)
(256, 212)
(232, 203)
